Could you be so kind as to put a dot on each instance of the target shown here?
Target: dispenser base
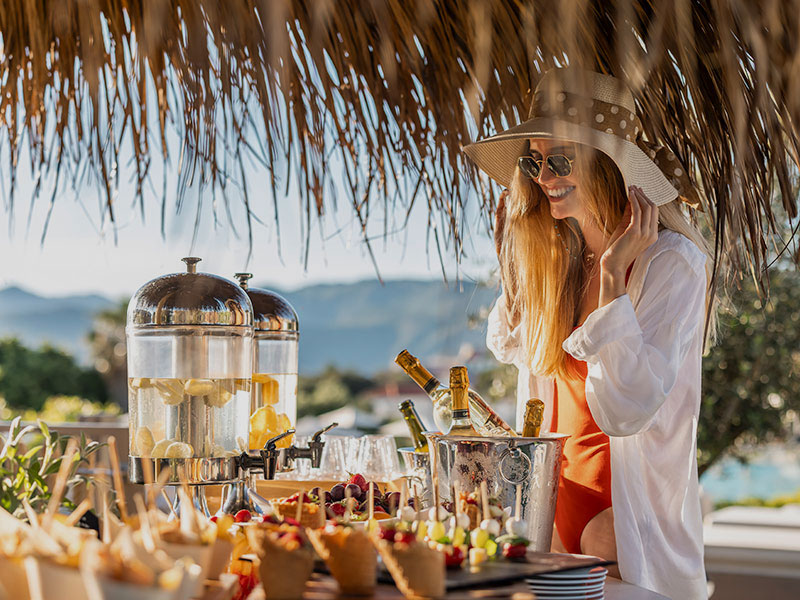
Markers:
(194, 471)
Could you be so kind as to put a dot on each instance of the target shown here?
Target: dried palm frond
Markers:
(382, 94)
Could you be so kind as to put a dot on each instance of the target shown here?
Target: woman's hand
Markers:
(637, 231)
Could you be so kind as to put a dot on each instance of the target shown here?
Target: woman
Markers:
(603, 306)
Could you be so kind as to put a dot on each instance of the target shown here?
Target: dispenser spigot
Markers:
(313, 451)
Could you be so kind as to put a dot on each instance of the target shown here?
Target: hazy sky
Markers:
(79, 253)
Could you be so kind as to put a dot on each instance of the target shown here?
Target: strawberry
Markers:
(453, 557)
(404, 537)
(338, 508)
(360, 481)
(213, 519)
(296, 497)
(514, 551)
(386, 534)
(271, 518)
(242, 516)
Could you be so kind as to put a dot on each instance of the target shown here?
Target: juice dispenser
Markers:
(273, 408)
(273, 405)
(190, 358)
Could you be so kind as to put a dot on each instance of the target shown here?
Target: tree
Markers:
(751, 379)
(109, 350)
(29, 377)
(329, 390)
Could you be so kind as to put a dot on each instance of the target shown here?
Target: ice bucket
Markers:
(503, 463)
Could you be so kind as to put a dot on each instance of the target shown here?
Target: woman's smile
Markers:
(557, 193)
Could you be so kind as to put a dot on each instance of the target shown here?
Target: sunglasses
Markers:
(559, 165)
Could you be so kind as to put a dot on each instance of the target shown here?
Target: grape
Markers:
(354, 490)
(337, 492)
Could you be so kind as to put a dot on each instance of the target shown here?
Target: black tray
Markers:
(502, 571)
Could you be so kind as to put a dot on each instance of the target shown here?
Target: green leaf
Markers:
(32, 452)
(45, 429)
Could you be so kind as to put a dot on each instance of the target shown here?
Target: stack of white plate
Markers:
(577, 584)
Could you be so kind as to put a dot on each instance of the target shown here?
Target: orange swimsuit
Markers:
(584, 490)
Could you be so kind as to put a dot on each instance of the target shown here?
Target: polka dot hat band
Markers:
(596, 110)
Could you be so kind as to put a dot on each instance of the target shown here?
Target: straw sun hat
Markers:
(596, 110)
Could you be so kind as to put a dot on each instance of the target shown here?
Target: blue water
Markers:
(771, 471)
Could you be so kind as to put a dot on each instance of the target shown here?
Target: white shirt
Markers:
(643, 351)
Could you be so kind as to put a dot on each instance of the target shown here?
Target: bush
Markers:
(29, 377)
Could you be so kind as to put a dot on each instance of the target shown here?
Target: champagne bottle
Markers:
(484, 419)
(459, 392)
(414, 426)
(534, 414)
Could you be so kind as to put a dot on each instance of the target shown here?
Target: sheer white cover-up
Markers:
(643, 352)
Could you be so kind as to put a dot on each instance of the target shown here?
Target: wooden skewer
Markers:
(106, 519)
(32, 516)
(485, 500)
(144, 524)
(147, 471)
(435, 480)
(371, 500)
(79, 511)
(436, 496)
(120, 491)
(518, 504)
(59, 487)
(403, 495)
(300, 500)
(347, 505)
(169, 503)
(164, 475)
(456, 498)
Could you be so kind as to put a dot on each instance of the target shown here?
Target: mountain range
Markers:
(360, 326)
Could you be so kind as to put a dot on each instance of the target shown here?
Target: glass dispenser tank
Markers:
(190, 353)
(274, 400)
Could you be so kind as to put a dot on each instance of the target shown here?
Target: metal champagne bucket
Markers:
(503, 463)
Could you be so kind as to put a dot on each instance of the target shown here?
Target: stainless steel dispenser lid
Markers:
(272, 311)
(190, 298)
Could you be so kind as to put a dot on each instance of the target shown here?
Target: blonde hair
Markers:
(541, 257)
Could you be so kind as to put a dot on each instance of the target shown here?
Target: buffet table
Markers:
(323, 587)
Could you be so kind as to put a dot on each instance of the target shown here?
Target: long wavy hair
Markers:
(542, 258)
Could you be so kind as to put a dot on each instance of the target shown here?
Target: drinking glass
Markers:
(377, 457)
(334, 463)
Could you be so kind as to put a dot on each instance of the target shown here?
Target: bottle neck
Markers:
(414, 426)
(460, 396)
(423, 378)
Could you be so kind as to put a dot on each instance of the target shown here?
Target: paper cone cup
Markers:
(13, 578)
(222, 589)
(48, 580)
(200, 555)
(312, 516)
(283, 572)
(220, 558)
(418, 571)
(103, 588)
(351, 558)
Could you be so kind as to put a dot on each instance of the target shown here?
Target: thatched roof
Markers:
(385, 92)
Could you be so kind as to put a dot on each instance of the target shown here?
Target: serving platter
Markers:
(505, 571)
